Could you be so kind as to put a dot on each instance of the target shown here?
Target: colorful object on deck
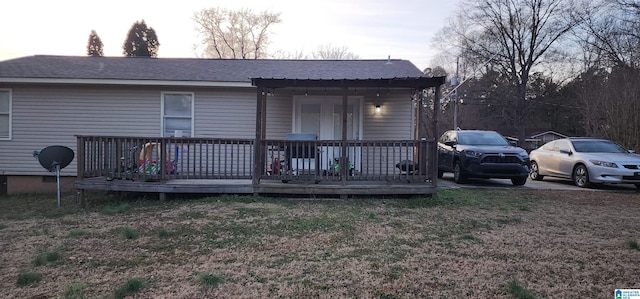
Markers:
(148, 163)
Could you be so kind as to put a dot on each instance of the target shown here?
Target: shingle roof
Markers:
(197, 69)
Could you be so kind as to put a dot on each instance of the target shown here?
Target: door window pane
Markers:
(337, 122)
(310, 119)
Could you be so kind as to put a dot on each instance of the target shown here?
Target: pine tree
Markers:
(95, 46)
(141, 41)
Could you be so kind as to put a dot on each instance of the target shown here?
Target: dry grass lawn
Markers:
(465, 243)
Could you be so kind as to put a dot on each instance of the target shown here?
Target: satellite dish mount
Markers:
(54, 158)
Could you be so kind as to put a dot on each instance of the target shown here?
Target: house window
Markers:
(177, 114)
(5, 114)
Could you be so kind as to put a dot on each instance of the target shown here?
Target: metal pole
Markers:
(455, 106)
(58, 182)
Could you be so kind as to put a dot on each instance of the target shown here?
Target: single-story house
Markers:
(219, 125)
(536, 140)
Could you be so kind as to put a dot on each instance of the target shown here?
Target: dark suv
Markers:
(481, 154)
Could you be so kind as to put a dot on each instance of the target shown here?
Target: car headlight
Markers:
(472, 153)
(524, 155)
(604, 163)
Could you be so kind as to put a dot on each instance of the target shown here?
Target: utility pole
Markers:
(456, 84)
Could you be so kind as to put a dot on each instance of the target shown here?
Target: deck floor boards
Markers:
(265, 187)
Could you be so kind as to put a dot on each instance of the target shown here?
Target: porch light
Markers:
(378, 109)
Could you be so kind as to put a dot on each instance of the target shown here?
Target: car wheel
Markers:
(534, 173)
(458, 177)
(581, 176)
(519, 181)
(440, 173)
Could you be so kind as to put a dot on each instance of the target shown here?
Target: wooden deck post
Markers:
(258, 155)
(434, 146)
(343, 159)
(80, 158)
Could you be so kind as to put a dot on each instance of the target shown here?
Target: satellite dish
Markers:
(54, 155)
(53, 158)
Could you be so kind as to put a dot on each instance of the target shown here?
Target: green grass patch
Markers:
(488, 199)
(114, 209)
(75, 290)
(77, 233)
(129, 233)
(383, 295)
(193, 215)
(164, 233)
(28, 278)
(210, 280)
(518, 291)
(508, 220)
(29, 206)
(51, 256)
(470, 237)
(304, 225)
(3, 226)
(130, 287)
(633, 245)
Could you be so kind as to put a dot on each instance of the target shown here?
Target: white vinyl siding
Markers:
(53, 115)
(5, 114)
(393, 122)
(177, 114)
(225, 114)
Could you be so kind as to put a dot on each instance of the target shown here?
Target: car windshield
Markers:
(597, 146)
(481, 138)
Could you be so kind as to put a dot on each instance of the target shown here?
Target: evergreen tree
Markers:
(141, 41)
(95, 46)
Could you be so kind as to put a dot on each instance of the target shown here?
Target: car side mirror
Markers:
(513, 143)
(566, 151)
(449, 143)
(632, 152)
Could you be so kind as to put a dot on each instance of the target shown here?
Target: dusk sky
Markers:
(371, 29)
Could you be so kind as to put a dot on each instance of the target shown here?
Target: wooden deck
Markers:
(227, 166)
(245, 186)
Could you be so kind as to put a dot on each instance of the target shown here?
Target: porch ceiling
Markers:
(412, 82)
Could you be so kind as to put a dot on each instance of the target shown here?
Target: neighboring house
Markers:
(49, 100)
(537, 139)
(547, 136)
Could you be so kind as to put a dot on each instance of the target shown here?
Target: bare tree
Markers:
(241, 34)
(283, 54)
(515, 35)
(331, 52)
(608, 90)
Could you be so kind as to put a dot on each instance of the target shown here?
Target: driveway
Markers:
(547, 183)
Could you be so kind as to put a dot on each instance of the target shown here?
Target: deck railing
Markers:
(163, 158)
(321, 160)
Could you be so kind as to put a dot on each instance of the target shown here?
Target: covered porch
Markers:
(285, 165)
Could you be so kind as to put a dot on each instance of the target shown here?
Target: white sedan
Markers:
(586, 161)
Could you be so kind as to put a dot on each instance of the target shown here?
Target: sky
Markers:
(371, 29)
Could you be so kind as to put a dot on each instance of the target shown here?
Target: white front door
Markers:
(322, 115)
